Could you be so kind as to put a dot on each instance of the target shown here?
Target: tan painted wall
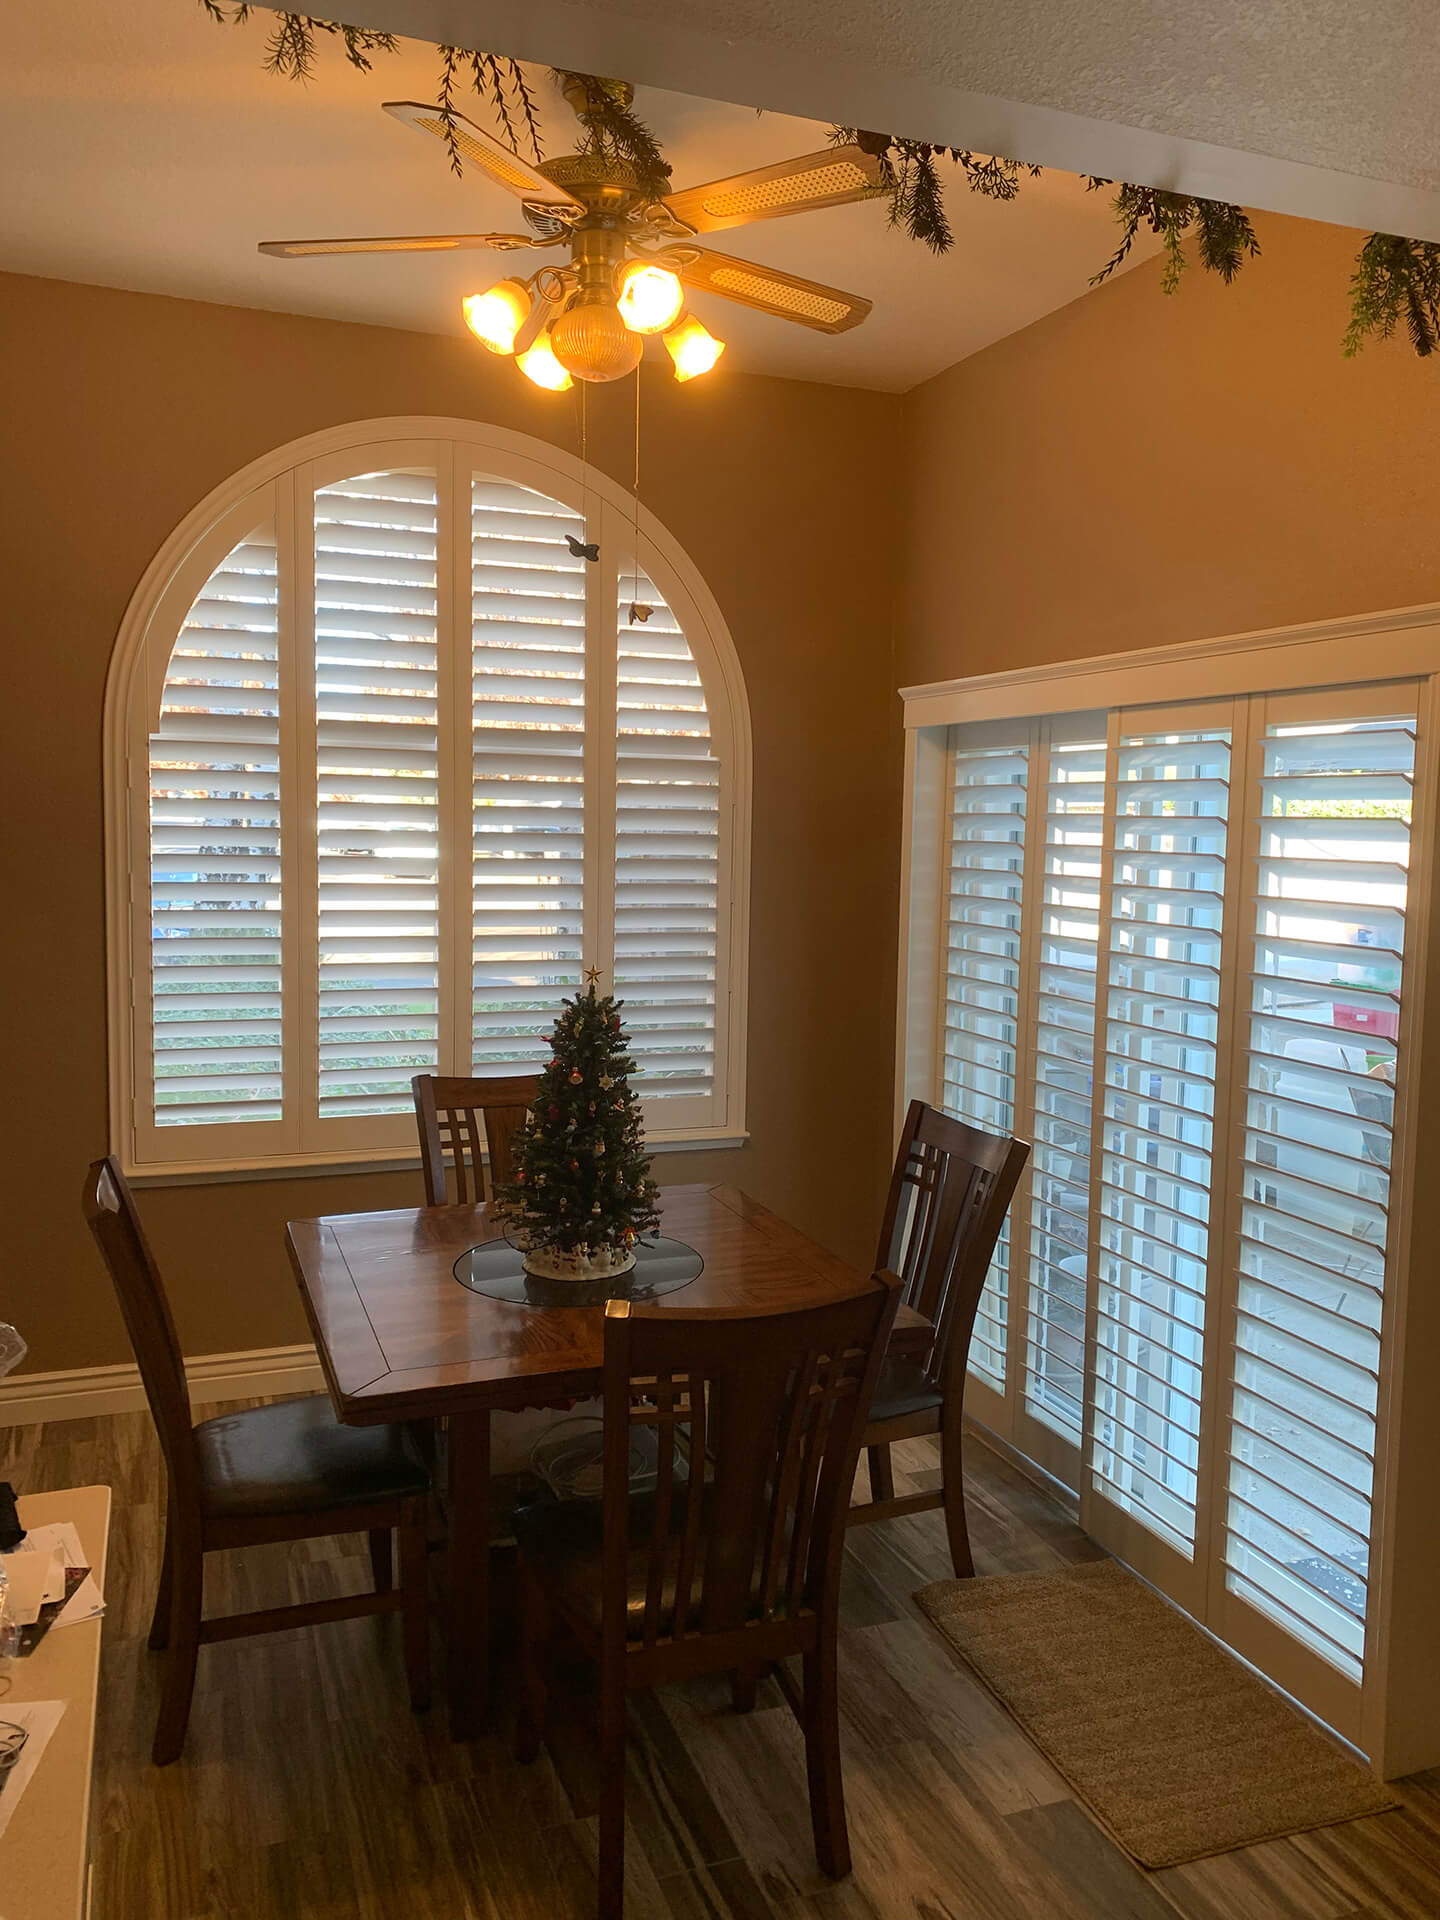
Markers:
(122, 411)
(1135, 470)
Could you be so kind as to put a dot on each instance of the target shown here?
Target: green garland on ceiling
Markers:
(1395, 285)
(611, 126)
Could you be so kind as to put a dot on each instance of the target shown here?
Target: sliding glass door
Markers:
(1174, 959)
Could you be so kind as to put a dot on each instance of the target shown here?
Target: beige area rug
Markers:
(1176, 1748)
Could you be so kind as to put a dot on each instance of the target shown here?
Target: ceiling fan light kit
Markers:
(496, 316)
(692, 347)
(540, 366)
(651, 297)
(632, 254)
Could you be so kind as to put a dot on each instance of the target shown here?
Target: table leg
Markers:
(468, 1626)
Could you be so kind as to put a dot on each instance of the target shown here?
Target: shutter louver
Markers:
(377, 790)
(1161, 1038)
(214, 776)
(528, 823)
(1064, 1016)
(982, 979)
(667, 852)
(1333, 860)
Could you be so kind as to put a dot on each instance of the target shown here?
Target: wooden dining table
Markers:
(400, 1338)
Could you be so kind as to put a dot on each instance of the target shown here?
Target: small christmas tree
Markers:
(582, 1195)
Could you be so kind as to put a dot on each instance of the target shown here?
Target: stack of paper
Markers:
(38, 1573)
(37, 1719)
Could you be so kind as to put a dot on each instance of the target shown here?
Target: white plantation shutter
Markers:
(214, 813)
(988, 782)
(528, 617)
(377, 790)
(1171, 944)
(1064, 1016)
(667, 851)
(1324, 1004)
(387, 686)
(1158, 1103)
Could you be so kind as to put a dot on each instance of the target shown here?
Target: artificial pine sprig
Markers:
(917, 200)
(291, 48)
(613, 129)
(1394, 280)
(1224, 233)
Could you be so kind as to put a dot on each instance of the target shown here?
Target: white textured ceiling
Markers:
(154, 152)
(1324, 108)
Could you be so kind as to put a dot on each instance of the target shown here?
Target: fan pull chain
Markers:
(638, 608)
(584, 549)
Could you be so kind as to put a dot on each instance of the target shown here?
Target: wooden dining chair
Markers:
(949, 1194)
(287, 1471)
(459, 1120)
(732, 1562)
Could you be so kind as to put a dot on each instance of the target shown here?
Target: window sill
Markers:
(211, 1173)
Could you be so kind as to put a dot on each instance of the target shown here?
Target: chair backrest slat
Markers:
(115, 1223)
(461, 1121)
(949, 1195)
(758, 1419)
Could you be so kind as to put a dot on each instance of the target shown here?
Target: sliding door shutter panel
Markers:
(1324, 1004)
(984, 883)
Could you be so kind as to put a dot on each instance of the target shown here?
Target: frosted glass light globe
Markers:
(650, 299)
(593, 342)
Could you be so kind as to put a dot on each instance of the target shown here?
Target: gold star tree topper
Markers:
(592, 974)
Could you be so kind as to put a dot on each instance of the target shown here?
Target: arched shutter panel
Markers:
(667, 840)
(528, 741)
(377, 794)
(214, 794)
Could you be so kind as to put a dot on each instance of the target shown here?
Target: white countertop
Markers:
(44, 1850)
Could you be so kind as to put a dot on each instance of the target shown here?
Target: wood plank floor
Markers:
(308, 1789)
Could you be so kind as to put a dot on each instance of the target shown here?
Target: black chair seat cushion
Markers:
(902, 1390)
(296, 1457)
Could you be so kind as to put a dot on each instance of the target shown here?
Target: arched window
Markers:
(408, 725)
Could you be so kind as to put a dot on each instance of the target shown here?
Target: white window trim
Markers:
(1401, 644)
(137, 669)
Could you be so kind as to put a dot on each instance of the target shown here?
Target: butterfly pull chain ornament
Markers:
(583, 549)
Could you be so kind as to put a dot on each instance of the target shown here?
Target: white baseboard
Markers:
(84, 1391)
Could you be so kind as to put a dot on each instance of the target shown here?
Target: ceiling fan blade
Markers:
(831, 178)
(768, 290)
(491, 156)
(404, 243)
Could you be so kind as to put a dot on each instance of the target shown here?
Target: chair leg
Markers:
(414, 1608)
(822, 1759)
(160, 1619)
(534, 1636)
(882, 1474)
(187, 1579)
(382, 1559)
(744, 1685)
(952, 1468)
(612, 1799)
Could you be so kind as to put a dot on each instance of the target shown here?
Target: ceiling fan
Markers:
(631, 254)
